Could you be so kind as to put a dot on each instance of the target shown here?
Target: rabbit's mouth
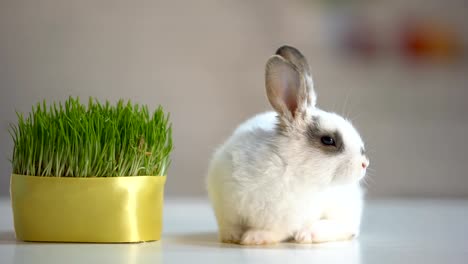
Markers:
(350, 171)
(363, 174)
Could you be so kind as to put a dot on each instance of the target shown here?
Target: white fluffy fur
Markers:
(266, 187)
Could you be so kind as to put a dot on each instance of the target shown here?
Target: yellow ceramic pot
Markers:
(99, 210)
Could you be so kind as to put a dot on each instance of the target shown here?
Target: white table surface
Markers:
(397, 231)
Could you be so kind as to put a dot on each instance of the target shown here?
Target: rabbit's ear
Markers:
(295, 57)
(285, 87)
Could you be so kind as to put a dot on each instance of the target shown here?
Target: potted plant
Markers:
(92, 173)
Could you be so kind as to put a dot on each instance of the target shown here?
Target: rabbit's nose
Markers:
(365, 164)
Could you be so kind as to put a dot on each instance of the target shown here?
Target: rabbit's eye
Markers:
(328, 141)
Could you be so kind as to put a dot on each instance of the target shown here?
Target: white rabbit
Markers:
(293, 173)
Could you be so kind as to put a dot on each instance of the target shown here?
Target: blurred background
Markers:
(398, 69)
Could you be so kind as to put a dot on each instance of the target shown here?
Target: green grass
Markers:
(97, 140)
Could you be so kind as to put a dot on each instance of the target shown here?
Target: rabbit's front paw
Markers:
(259, 237)
(304, 236)
(324, 231)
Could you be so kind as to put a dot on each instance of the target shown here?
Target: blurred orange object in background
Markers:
(431, 40)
